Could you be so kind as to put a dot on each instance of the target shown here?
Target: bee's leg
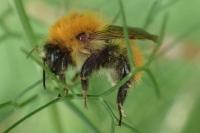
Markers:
(44, 75)
(91, 64)
(44, 79)
(63, 79)
(121, 96)
(123, 69)
(84, 83)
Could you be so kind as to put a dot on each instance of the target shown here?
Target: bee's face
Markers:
(57, 58)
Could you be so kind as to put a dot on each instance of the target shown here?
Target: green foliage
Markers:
(21, 109)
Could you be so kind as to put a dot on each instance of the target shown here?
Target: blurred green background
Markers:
(176, 69)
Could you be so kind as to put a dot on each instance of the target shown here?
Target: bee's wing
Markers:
(116, 32)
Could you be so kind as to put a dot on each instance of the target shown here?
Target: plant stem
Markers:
(82, 116)
(126, 35)
(31, 114)
(28, 31)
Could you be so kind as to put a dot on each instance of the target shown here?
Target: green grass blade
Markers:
(109, 110)
(116, 17)
(30, 114)
(29, 88)
(29, 100)
(168, 4)
(112, 129)
(160, 40)
(194, 28)
(7, 103)
(155, 9)
(5, 13)
(16, 104)
(155, 83)
(126, 34)
(56, 120)
(28, 31)
(151, 14)
(121, 82)
(81, 116)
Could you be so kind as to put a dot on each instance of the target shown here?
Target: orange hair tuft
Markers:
(68, 27)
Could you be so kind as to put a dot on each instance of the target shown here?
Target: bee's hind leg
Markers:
(44, 75)
(123, 69)
(121, 96)
(88, 67)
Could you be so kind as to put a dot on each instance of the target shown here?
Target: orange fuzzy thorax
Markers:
(68, 27)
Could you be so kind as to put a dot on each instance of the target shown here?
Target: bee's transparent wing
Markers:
(116, 32)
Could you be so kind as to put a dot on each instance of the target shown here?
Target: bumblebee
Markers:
(87, 42)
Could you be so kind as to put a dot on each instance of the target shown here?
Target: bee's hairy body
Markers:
(85, 41)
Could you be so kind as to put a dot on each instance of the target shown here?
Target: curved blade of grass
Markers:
(151, 14)
(31, 114)
(29, 88)
(155, 9)
(174, 43)
(81, 116)
(56, 119)
(155, 83)
(113, 116)
(3, 37)
(28, 31)
(29, 100)
(3, 18)
(5, 13)
(126, 34)
(112, 129)
(160, 40)
(7, 103)
(7, 32)
(168, 4)
(16, 104)
(116, 17)
(121, 82)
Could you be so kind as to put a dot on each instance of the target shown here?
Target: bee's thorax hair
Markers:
(68, 28)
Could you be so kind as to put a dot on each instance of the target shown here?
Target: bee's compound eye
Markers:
(83, 37)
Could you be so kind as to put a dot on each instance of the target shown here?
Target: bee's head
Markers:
(57, 57)
(73, 31)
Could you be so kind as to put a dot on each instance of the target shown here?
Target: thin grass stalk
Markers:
(126, 35)
(82, 116)
(160, 40)
(28, 31)
(31, 114)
